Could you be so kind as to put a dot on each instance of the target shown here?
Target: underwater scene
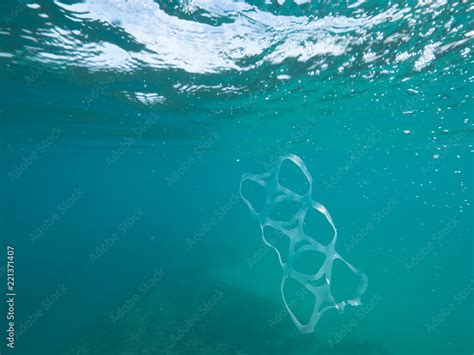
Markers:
(236, 177)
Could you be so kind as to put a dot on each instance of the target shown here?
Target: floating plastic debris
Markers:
(319, 282)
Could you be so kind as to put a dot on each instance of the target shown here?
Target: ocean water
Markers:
(125, 129)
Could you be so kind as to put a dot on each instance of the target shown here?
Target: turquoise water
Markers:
(126, 127)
